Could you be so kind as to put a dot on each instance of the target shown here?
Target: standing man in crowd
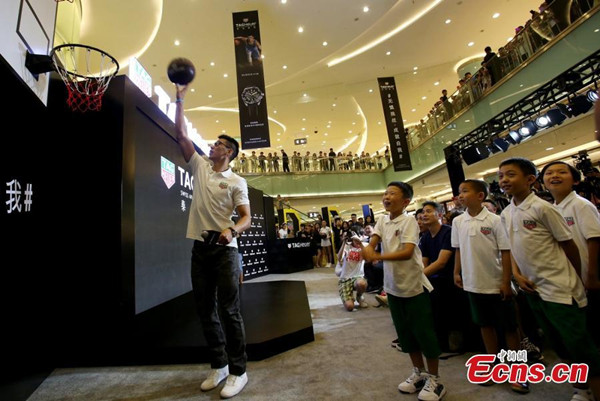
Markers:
(215, 270)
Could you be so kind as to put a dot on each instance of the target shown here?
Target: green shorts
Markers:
(565, 328)
(413, 320)
(346, 288)
(491, 310)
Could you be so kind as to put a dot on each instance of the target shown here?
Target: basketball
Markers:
(181, 71)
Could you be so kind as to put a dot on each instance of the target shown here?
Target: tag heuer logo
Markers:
(486, 230)
(167, 172)
(529, 224)
(289, 245)
(223, 185)
(570, 221)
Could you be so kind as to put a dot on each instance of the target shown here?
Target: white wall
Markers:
(27, 25)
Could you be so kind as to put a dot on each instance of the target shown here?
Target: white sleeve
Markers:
(588, 220)
(455, 239)
(555, 223)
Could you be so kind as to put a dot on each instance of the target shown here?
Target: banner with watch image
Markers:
(254, 119)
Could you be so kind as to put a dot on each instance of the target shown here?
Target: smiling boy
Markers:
(405, 285)
(546, 265)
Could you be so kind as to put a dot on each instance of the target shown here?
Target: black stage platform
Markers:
(276, 316)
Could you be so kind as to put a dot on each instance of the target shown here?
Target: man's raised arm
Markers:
(185, 143)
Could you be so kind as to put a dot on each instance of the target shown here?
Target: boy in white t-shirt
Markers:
(546, 265)
(482, 268)
(352, 274)
(405, 285)
(583, 220)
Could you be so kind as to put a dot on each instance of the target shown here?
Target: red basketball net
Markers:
(84, 96)
(86, 72)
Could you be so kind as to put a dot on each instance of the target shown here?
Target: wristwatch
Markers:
(233, 232)
(252, 96)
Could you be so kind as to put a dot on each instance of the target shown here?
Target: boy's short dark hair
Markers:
(438, 208)
(406, 189)
(418, 211)
(525, 165)
(574, 172)
(493, 202)
(479, 186)
(234, 143)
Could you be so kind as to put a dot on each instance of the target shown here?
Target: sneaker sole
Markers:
(439, 397)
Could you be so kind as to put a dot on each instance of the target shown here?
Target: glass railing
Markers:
(302, 164)
(541, 29)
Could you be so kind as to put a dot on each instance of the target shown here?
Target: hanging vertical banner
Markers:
(254, 120)
(394, 124)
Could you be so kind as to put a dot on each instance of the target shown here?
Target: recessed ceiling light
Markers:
(470, 44)
(496, 15)
(217, 121)
(283, 1)
(328, 122)
(414, 72)
(279, 133)
(285, 67)
(596, 30)
(365, 9)
(278, 139)
(300, 29)
(353, 123)
(550, 148)
(388, 53)
(415, 68)
(448, 21)
(370, 90)
(303, 119)
(350, 131)
(413, 110)
(333, 105)
(274, 111)
(326, 134)
(378, 122)
(436, 83)
(328, 126)
(223, 131)
(509, 39)
(303, 129)
(225, 75)
(193, 90)
(424, 97)
(177, 42)
(467, 121)
(212, 63)
(262, 56)
(325, 43)
(210, 96)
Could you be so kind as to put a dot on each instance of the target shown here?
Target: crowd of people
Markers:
(272, 162)
(511, 271)
(543, 25)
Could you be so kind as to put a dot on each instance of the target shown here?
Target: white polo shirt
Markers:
(480, 239)
(401, 278)
(583, 220)
(534, 229)
(216, 195)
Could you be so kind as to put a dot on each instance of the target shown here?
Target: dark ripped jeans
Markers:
(215, 281)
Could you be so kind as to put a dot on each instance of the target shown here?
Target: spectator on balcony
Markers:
(331, 155)
(269, 162)
(253, 162)
(306, 161)
(243, 162)
(262, 162)
(275, 162)
(488, 63)
(286, 161)
(315, 162)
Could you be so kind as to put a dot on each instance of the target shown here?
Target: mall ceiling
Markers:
(419, 42)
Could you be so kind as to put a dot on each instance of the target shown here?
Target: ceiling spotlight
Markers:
(564, 109)
(500, 144)
(325, 43)
(592, 96)
(365, 9)
(300, 29)
(542, 121)
(555, 116)
(514, 137)
(528, 129)
(580, 105)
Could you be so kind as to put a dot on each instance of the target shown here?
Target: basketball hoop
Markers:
(86, 72)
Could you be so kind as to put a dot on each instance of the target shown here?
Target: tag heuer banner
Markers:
(254, 122)
(393, 122)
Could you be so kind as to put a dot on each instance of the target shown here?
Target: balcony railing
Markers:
(543, 28)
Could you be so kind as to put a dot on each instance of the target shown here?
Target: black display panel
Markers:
(252, 243)
(163, 195)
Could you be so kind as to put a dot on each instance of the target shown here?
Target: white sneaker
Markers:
(582, 395)
(215, 377)
(414, 382)
(234, 385)
(433, 390)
